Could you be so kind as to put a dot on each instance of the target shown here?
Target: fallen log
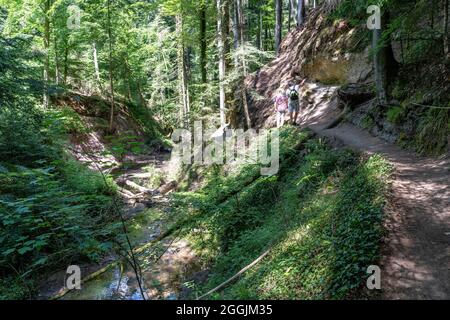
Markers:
(137, 187)
(127, 194)
(223, 284)
(167, 187)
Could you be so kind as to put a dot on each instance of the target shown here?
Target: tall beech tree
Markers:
(110, 65)
(241, 33)
(46, 40)
(202, 40)
(445, 28)
(300, 13)
(221, 39)
(278, 24)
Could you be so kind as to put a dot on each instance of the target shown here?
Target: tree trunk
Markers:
(270, 36)
(258, 34)
(96, 68)
(235, 26)
(180, 62)
(278, 24)
(226, 32)
(56, 61)
(245, 103)
(66, 62)
(203, 42)
(261, 43)
(300, 13)
(187, 62)
(46, 98)
(446, 36)
(241, 24)
(227, 41)
(182, 76)
(266, 36)
(221, 49)
(289, 14)
(111, 79)
(241, 29)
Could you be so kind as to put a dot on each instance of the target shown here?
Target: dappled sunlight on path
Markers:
(416, 251)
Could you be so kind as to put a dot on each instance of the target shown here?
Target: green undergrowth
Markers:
(54, 211)
(433, 132)
(149, 126)
(66, 120)
(320, 215)
(429, 111)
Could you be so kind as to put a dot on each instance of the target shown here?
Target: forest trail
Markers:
(416, 252)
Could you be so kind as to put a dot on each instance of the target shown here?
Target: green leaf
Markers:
(8, 252)
(21, 210)
(40, 261)
(24, 250)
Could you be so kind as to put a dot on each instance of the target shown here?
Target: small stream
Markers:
(108, 286)
(165, 266)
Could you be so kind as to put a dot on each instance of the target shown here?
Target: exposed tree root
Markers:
(339, 119)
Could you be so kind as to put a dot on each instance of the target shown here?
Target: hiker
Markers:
(293, 93)
(281, 106)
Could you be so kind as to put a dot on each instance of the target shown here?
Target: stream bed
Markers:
(164, 266)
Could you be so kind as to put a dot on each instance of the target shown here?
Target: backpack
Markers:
(281, 102)
(293, 94)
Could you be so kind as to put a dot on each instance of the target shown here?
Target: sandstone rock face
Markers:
(341, 69)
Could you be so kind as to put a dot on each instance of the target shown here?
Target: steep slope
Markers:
(87, 116)
(326, 52)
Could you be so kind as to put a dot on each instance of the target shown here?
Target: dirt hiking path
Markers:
(416, 252)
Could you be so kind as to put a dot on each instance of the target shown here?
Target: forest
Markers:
(93, 92)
